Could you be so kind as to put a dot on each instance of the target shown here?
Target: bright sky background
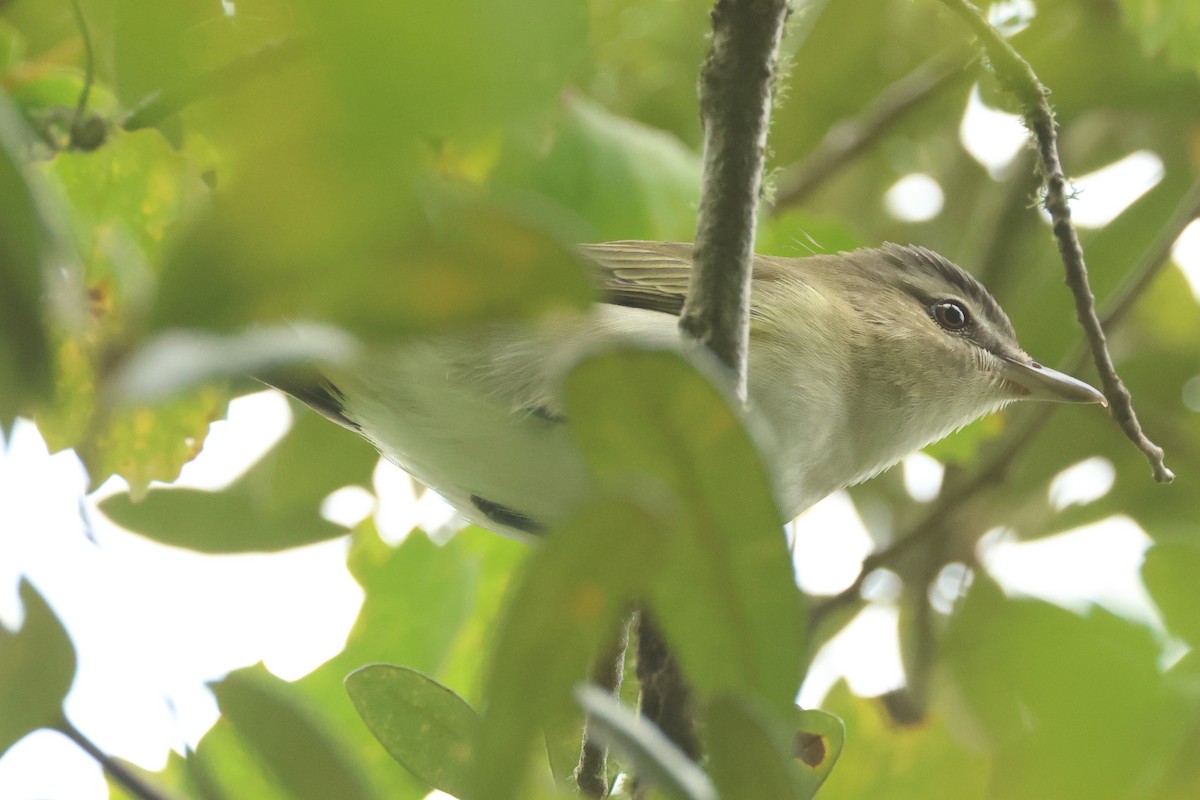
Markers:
(152, 624)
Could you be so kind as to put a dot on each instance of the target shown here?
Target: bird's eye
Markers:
(951, 315)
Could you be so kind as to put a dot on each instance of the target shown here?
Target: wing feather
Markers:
(649, 275)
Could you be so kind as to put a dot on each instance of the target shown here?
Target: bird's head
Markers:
(959, 337)
(910, 317)
(890, 348)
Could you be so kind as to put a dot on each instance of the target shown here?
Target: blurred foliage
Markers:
(37, 666)
(394, 170)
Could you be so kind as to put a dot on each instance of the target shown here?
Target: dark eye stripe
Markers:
(951, 315)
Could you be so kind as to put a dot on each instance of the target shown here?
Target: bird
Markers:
(856, 359)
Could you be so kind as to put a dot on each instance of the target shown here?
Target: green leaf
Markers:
(127, 199)
(25, 375)
(1057, 696)
(444, 264)
(1172, 576)
(654, 757)
(575, 591)
(274, 506)
(382, 61)
(289, 739)
(423, 605)
(423, 724)
(727, 598)
(911, 763)
(627, 180)
(819, 739)
(37, 667)
(750, 752)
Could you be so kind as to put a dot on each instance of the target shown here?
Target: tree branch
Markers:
(851, 137)
(1015, 74)
(1151, 262)
(666, 698)
(591, 773)
(736, 85)
(736, 90)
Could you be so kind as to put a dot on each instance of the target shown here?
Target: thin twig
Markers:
(159, 105)
(1015, 74)
(849, 138)
(1151, 262)
(133, 783)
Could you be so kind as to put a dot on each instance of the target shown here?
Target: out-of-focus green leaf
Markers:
(127, 199)
(911, 763)
(159, 49)
(626, 180)
(290, 741)
(653, 756)
(423, 724)
(575, 590)
(333, 213)
(473, 263)
(25, 375)
(37, 666)
(12, 46)
(1181, 776)
(1172, 575)
(1170, 26)
(819, 739)
(749, 752)
(1057, 697)
(274, 506)
(423, 603)
(153, 43)
(223, 766)
(383, 57)
(728, 599)
(146, 444)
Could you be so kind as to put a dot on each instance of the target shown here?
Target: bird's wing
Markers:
(649, 275)
(314, 390)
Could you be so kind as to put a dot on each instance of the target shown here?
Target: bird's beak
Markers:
(1036, 382)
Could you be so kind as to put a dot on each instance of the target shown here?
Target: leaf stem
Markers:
(89, 67)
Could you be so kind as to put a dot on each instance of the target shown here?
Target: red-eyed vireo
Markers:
(856, 360)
